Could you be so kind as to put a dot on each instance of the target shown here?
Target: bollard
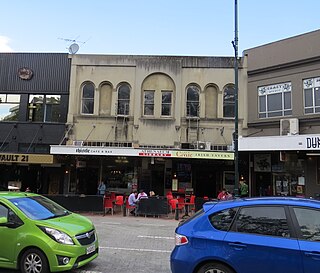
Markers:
(124, 209)
(176, 213)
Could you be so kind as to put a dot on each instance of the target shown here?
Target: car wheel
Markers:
(33, 261)
(214, 268)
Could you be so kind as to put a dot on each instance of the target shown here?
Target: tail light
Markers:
(181, 240)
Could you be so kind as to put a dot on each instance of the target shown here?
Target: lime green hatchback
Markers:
(37, 235)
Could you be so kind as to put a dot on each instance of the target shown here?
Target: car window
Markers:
(309, 223)
(3, 211)
(222, 220)
(263, 220)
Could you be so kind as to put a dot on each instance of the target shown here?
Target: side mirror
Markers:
(3, 221)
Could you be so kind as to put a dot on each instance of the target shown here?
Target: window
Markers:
(223, 219)
(148, 103)
(9, 107)
(44, 108)
(193, 101)
(228, 102)
(275, 100)
(166, 103)
(263, 220)
(311, 88)
(87, 99)
(309, 223)
(123, 99)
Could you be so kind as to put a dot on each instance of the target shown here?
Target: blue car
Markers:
(253, 235)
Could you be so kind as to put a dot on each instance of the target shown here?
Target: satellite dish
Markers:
(73, 48)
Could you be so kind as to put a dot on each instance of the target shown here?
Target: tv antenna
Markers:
(73, 47)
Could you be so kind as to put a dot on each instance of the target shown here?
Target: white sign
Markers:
(275, 88)
(280, 143)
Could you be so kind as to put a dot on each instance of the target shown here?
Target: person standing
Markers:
(101, 188)
(243, 189)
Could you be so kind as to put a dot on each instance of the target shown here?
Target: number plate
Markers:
(91, 249)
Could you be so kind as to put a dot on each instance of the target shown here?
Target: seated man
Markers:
(132, 200)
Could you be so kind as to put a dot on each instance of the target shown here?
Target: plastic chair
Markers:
(192, 203)
(128, 207)
(119, 201)
(107, 204)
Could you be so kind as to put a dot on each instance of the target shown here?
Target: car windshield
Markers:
(39, 207)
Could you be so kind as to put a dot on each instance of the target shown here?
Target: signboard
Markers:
(84, 150)
(26, 158)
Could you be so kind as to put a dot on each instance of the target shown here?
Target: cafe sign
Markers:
(26, 158)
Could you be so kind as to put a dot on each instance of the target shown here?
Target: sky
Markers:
(141, 27)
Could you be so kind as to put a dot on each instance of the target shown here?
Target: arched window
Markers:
(87, 99)
(192, 101)
(228, 102)
(123, 99)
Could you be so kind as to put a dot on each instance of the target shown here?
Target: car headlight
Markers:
(58, 235)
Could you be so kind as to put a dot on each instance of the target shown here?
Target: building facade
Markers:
(154, 122)
(34, 97)
(282, 138)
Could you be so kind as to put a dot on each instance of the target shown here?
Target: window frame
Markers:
(230, 103)
(85, 100)
(314, 85)
(148, 102)
(266, 91)
(12, 104)
(163, 92)
(192, 103)
(122, 100)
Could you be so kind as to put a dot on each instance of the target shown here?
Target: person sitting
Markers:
(222, 195)
(132, 200)
(141, 195)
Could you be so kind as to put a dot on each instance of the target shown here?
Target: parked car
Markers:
(39, 236)
(275, 234)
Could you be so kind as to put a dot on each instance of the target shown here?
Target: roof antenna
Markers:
(74, 47)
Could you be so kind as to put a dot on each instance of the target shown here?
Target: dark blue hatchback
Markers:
(250, 235)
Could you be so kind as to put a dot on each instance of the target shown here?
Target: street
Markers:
(139, 244)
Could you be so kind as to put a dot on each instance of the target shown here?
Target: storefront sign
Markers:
(26, 158)
(280, 143)
(72, 150)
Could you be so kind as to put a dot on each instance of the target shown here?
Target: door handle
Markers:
(313, 254)
(238, 245)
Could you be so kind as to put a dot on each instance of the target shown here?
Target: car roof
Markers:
(15, 194)
(293, 201)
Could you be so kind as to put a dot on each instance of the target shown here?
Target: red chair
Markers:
(181, 203)
(119, 201)
(128, 207)
(192, 203)
(107, 205)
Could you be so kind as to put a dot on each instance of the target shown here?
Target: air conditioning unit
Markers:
(201, 145)
(77, 143)
(289, 126)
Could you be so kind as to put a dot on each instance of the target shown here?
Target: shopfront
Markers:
(283, 165)
(123, 169)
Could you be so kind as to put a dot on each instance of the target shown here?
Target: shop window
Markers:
(311, 88)
(34, 148)
(148, 103)
(193, 101)
(87, 99)
(275, 100)
(228, 102)
(123, 99)
(166, 103)
(9, 107)
(44, 108)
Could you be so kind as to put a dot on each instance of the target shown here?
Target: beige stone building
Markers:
(155, 122)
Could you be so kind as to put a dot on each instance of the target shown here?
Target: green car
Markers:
(37, 235)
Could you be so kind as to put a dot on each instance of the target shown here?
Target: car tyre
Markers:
(34, 261)
(215, 268)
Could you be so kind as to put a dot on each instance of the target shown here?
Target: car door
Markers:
(260, 241)
(8, 237)
(308, 225)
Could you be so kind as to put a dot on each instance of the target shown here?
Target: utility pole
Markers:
(236, 87)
